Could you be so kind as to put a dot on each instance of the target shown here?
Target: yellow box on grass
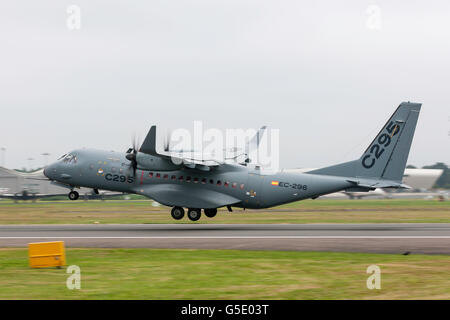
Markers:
(47, 254)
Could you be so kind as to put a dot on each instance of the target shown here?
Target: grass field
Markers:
(309, 211)
(225, 274)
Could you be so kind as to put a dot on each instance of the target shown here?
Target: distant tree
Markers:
(444, 179)
(410, 166)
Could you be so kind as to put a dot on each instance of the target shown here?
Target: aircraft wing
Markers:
(150, 146)
(183, 196)
(7, 196)
(196, 159)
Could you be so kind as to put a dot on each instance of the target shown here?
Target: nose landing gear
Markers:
(73, 195)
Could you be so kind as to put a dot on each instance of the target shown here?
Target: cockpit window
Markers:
(62, 156)
(70, 158)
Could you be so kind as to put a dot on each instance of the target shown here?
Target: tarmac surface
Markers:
(433, 238)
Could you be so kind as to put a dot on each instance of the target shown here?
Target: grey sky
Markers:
(313, 69)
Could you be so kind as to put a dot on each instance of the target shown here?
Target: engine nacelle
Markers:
(148, 162)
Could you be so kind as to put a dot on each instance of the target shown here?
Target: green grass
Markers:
(365, 203)
(225, 274)
(308, 211)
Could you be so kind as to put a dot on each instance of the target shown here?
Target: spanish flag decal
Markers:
(275, 183)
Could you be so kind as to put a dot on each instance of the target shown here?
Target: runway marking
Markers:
(243, 237)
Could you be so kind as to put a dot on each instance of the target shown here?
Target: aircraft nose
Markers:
(45, 172)
(48, 172)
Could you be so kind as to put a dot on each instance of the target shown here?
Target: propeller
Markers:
(132, 156)
(167, 138)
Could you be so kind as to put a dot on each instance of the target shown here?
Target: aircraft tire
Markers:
(177, 213)
(194, 214)
(210, 213)
(73, 195)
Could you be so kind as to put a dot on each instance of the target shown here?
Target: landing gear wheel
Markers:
(210, 213)
(177, 213)
(194, 214)
(73, 195)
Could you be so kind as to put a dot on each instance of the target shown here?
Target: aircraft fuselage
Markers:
(110, 170)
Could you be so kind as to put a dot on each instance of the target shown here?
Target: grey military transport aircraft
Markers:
(203, 184)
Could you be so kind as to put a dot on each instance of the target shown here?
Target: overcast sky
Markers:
(328, 74)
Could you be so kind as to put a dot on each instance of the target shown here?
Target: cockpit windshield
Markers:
(69, 158)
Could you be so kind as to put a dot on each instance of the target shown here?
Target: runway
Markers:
(376, 238)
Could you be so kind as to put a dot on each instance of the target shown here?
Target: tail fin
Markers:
(386, 156)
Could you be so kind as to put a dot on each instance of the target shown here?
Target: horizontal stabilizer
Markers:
(377, 183)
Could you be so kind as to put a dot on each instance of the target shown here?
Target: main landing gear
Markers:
(210, 213)
(73, 195)
(177, 213)
(193, 214)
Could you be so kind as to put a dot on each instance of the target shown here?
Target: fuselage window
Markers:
(91, 166)
(180, 178)
(113, 169)
(173, 177)
(211, 181)
(188, 179)
(226, 184)
(234, 185)
(120, 170)
(219, 183)
(150, 174)
(242, 186)
(204, 181)
(195, 180)
(158, 175)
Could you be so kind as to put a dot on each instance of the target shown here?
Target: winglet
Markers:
(254, 142)
(149, 144)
